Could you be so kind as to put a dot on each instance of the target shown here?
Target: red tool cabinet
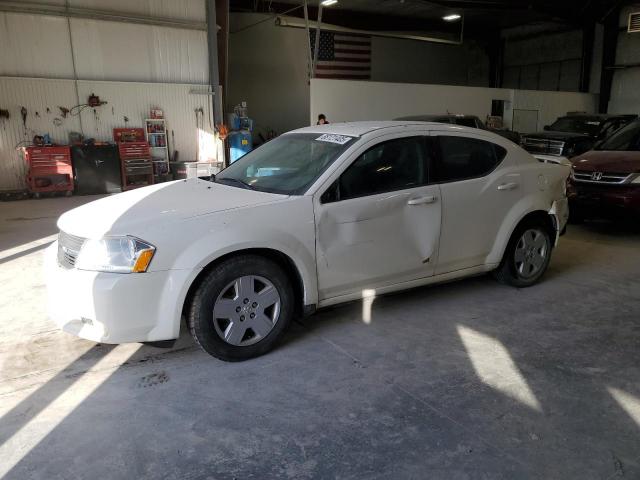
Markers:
(50, 169)
(135, 157)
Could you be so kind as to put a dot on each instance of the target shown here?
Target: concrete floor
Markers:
(466, 380)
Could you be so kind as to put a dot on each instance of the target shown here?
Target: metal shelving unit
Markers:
(156, 135)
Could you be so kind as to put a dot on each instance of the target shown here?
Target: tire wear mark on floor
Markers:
(153, 379)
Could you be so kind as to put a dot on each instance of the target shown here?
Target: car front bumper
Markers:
(112, 307)
(560, 210)
(603, 199)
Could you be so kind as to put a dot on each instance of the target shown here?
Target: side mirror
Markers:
(547, 127)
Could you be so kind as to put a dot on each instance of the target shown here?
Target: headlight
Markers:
(116, 255)
(637, 179)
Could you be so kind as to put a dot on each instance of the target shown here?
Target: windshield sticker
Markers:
(333, 138)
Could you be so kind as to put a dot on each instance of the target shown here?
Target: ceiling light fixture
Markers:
(328, 3)
(451, 18)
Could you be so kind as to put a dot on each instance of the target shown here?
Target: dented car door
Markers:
(379, 222)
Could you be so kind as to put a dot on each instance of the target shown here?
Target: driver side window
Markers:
(388, 166)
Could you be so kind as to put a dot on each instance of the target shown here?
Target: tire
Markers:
(242, 308)
(527, 255)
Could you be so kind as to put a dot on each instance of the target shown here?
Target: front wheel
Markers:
(527, 256)
(242, 308)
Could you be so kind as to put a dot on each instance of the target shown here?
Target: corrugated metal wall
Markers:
(35, 95)
(547, 62)
(110, 60)
(625, 93)
(38, 46)
(132, 100)
(176, 9)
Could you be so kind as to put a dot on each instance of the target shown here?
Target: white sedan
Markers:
(313, 218)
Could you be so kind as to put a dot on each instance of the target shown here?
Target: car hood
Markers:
(135, 211)
(549, 135)
(608, 161)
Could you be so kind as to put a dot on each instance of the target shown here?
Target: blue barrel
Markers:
(240, 143)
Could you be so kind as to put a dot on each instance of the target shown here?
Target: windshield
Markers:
(625, 139)
(586, 126)
(286, 165)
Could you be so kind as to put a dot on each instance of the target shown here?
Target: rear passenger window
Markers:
(463, 157)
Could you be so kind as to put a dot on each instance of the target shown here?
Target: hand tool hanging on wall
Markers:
(4, 116)
(63, 111)
(92, 102)
(173, 142)
(23, 113)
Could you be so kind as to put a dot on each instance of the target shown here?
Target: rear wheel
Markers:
(527, 256)
(241, 308)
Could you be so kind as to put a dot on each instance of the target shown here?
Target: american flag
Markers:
(343, 55)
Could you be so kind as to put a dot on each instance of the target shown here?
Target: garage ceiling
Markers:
(481, 16)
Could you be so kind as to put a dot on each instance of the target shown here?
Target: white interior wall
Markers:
(268, 70)
(344, 101)
(133, 100)
(551, 105)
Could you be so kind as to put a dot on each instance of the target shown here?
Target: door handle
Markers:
(423, 200)
(508, 186)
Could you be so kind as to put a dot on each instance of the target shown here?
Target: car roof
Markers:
(597, 116)
(357, 129)
(436, 117)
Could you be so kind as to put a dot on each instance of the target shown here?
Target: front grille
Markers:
(68, 249)
(609, 178)
(542, 145)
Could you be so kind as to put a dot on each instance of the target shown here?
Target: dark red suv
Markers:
(606, 180)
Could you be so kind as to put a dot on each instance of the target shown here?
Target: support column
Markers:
(588, 38)
(222, 17)
(609, 48)
(214, 71)
(496, 61)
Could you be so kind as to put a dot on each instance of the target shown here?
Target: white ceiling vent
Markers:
(634, 22)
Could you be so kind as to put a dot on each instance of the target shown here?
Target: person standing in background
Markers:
(322, 119)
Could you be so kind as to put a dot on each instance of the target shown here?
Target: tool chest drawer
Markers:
(134, 150)
(138, 167)
(135, 157)
(49, 169)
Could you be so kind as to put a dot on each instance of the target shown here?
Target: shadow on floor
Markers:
(436, 385)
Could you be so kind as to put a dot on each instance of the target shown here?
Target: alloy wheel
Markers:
(531, 253)
(246, 310)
